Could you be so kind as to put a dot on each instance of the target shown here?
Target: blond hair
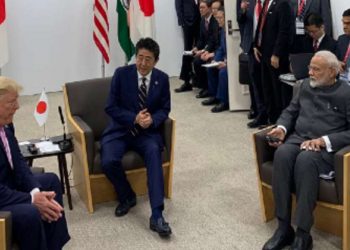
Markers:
(7, 85)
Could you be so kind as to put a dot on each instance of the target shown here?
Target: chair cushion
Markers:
(327, 189)
(131, 160)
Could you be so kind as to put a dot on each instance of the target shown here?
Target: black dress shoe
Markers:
(301, 243)
(257, 122)
(280, 239)
(124, 207)
(220, 107)
(251, 114)
(203, 94)
(160, 226)
(184, 87)
(210, 101)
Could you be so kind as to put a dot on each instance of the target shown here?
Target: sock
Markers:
(156, 213)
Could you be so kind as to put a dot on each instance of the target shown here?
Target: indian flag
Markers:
(135, 21)
(3, 35)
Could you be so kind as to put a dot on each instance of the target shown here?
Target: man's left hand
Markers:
(313, 145)
(146, 122)
(275, 61)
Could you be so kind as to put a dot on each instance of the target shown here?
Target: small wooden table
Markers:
(61, 158)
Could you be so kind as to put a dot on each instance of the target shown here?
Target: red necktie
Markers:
(5, 142)
(315, 45)
(264, 13)
(347, 54)
(258, 8)
(301, 7)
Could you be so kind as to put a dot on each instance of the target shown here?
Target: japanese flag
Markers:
(42, 109)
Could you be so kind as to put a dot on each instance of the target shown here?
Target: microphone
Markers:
(63, 123)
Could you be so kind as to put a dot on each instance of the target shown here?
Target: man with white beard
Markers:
(309, 131)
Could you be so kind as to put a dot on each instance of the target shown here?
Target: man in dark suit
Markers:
(301, 9)
(207, 43)
(271, 47)
(138, 104)
(317, 39)
(188, 18)
(35, 201)
(247, 17)
(343, 47)
(314, 126)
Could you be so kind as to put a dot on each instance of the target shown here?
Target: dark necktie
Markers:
(206, 24)
(142, 96)
(315, 45)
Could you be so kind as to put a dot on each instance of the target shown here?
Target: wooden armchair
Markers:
(332, 213)
(84, 105)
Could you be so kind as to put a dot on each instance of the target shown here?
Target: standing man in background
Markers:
(248, 12)
(138, 104)
(272, 42)
(343, 47)
(188, 18)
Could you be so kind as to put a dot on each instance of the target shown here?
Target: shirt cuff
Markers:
(283, 128)
(328, 143)
(34, 191)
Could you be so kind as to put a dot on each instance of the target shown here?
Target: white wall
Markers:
(338, 7)
(51, 42)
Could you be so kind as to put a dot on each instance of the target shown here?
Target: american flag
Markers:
(101, 27)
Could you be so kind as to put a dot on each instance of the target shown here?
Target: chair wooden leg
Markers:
(266, 202)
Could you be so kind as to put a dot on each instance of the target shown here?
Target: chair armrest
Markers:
(167, 132)
(5, 230)
(339, 170)
(89, 139)
(264, 152)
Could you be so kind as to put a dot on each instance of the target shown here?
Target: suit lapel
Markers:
(152, 88)
(307, 6)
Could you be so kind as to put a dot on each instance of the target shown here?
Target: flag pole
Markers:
(103, 67)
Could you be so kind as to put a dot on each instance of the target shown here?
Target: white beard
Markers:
(314, 83)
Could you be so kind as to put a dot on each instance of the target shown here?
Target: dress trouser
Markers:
(201, 73)
(29, 230)
(190, 34)
(111, 156)
(297, 168)
(277, 95)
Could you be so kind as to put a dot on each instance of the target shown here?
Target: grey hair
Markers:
(331, 59)
(7, 85)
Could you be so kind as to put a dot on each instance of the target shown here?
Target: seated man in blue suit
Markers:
(218, 77)
(138, 104)
(343, 47)
(35, 201)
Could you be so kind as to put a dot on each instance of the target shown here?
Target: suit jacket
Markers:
(246, 25)
(122, 104)
(327, 43)
(16, 183)
(322, 7)
(187, 12)
(316, 112)
(342, 46)
(277, 31)
(208, 39)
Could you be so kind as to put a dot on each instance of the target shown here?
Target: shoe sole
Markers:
(161, 234)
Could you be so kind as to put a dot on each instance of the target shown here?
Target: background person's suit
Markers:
(209, 41)
(188, 17)
(246, 26)
(15, 187)
(276, 40)
(313, 113)
(342, 46)
(327, 43)
(122, 107)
